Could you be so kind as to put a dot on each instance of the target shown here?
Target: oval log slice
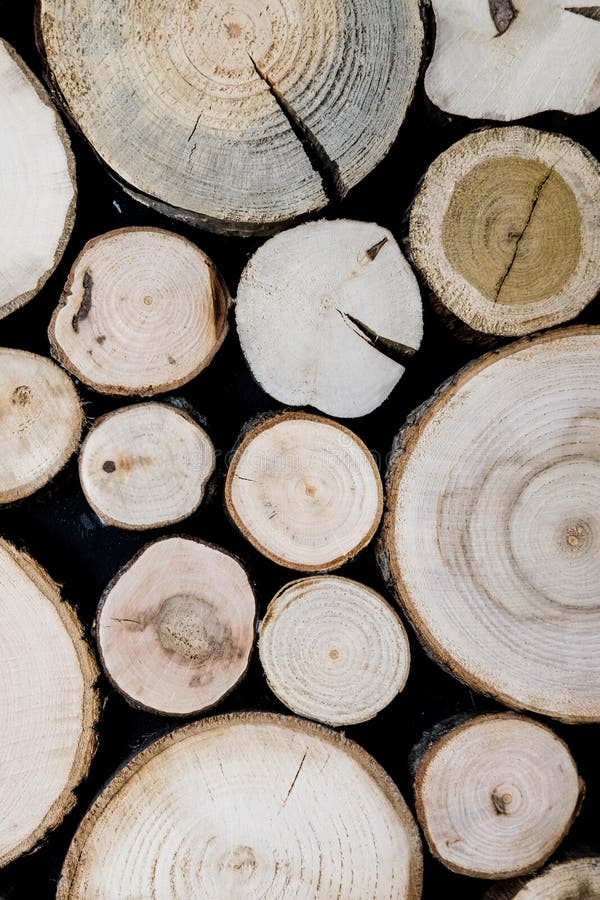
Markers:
(574, 879)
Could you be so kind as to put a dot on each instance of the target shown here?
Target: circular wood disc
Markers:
(493, 532)
(496, 796)
(305, 491)
(247, 806)
(49, 706)
(145, 466)
(504, 229)
(40, 425)
(37, 184)
(333, 650)
(576, 879)
(143, 311)
(328, 314)
(175, 628)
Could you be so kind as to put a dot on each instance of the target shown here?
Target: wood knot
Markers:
(191, 628)
(109, 466)
(501, 801)
(21, 395)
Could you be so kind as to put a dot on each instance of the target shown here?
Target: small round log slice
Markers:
(333, 650)
(305, 491)
(143, 311)
(575, 879)
(492, 534)
(504, 229)
(328, 315)
(238, 116)
(247, 806)
(49, 704)
(496, 795)
(37, 184)
(145, 465)
(507, 59)
(175, 628)
(40, 422)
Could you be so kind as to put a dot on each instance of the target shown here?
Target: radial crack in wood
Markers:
(574, 879)
(592, 12)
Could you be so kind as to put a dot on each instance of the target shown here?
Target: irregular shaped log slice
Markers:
(505, 230)
(575, 879)
(145, 465)
(37, 184)
(143, 311)
(496, 795)
(175, 628)
(304, 490)
(506, 59)
(49, 708)
(328, 315)
(491, 538)
(40, 424)
(333, 650)
(238, 117)
(249, 805)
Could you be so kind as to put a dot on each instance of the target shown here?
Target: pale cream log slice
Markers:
(505, 229)
(496, 795)
(145, 465)
(49, 705)
(143, 311)
(175, 628)
(305, 491)
(333, 650)
(250, 806)
(497, 59)
(40, 422)
(492, 536)
(328, 315)
(237, 116)
(575, 879)
(37, 184)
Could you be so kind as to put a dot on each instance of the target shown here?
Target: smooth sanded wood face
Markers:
(176, 627)
(239, 116)
(40, 422)
(333, 650)
(145, 465)
(328, 315)
(506, 59)
(496, 796)
(49, 705)
(37, 184)
(143, 311)
(305, 491)
(504, 230)
(247, 806)
(492, 536)
(576, 879)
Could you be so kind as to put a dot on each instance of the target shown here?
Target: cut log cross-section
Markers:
(328, 315)
(493, 526)
(239, 116)
(37, 184)
(574, 879)
(505, 231)
(49, 704)
(143, 311)
(496, 795)
(175, 628)
(305, 491)
(247, 806)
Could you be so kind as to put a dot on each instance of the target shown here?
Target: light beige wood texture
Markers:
(505, 229)
(247, 806)
(328, 314)
(40, 422)
(492, 530)
(49, 706)
(37, 184)
(143, 311)
(506, 59)
(333, 650)
(304, 491)
(575, 879)
(496, 795)
(175, 628)
(145, 465)
(238, 116)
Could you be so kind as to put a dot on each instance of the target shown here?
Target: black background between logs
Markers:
(60, 530)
